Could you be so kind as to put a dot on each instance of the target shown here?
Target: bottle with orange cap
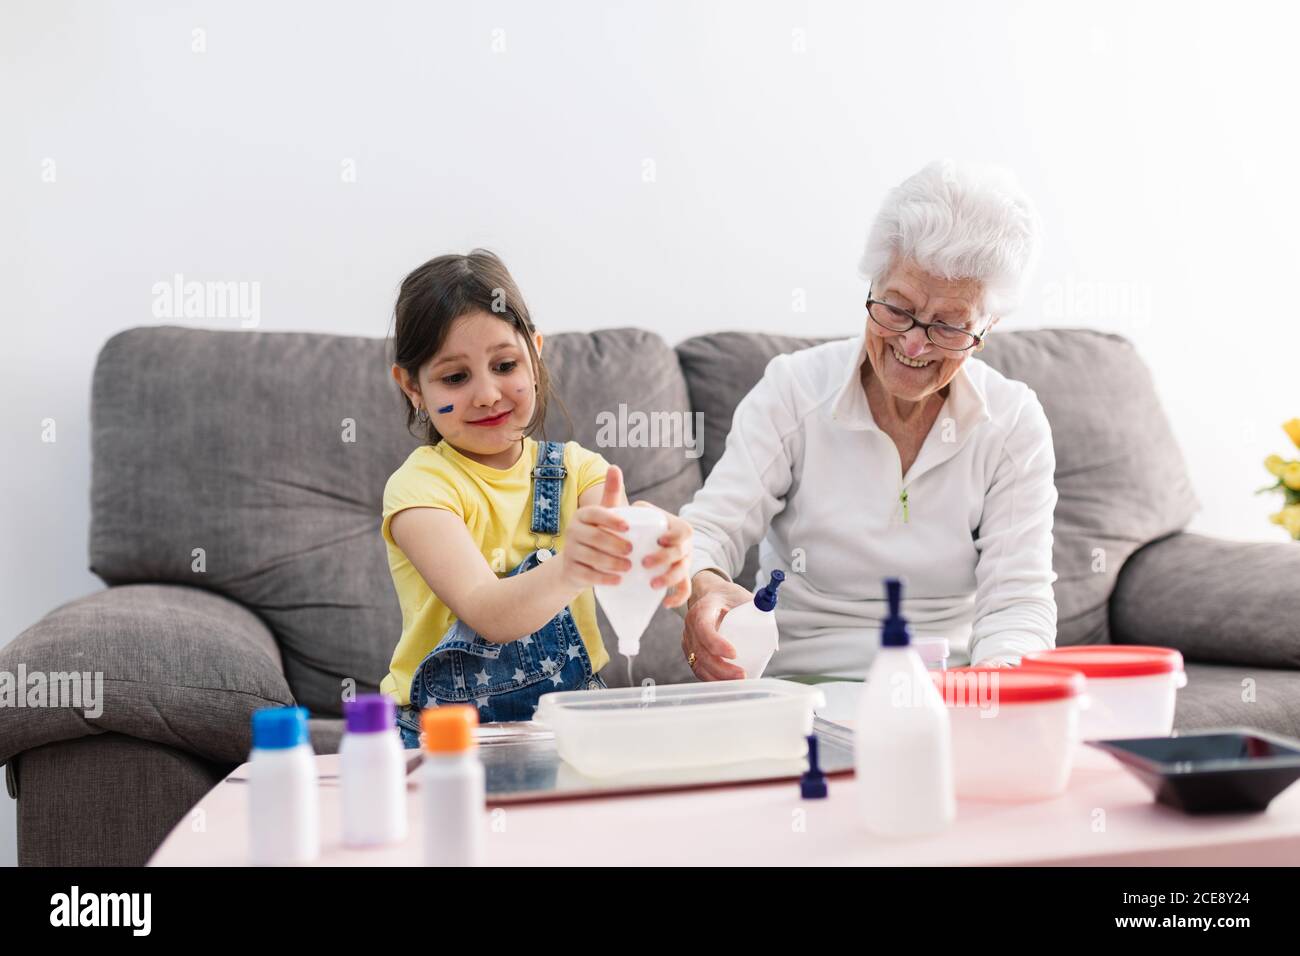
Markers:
(452, 786)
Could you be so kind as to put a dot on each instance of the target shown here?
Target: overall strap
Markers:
(548, 487)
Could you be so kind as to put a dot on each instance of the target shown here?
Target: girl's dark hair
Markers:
(439, 292)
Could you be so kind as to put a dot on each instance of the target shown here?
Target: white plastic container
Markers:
(903, 753)
(1014, 731)
(902, 739)
(751, 629)
(372, 768)
(1132, 690)
(630, 729)
(283, 796)
(933, 651)
(452, 787)
(630, 604)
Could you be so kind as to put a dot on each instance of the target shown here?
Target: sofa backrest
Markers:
(1120, 475)
(253, 464)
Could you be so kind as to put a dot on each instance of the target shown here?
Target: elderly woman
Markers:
(893, 454)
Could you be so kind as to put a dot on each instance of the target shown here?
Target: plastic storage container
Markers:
(608, 732)
(1131, 689)
(933, 651)
(1014, 730)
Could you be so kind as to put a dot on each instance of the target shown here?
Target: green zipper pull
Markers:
(902, 496)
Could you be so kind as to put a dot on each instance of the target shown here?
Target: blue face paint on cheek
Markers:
(445, 409)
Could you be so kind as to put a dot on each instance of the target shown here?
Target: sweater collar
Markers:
(965, 402)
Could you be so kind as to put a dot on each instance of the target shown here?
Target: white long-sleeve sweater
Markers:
(807, 471)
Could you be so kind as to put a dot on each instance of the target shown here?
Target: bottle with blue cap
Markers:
(751, 629)
(283, 800)
(902, 738)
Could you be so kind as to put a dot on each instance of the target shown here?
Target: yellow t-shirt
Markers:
(497, 507)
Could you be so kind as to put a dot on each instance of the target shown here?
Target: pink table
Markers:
(1105, 818)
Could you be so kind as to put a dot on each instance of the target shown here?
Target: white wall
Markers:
(1155, 136)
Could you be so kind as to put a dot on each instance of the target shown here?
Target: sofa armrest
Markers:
(1216, 601)
(176, 665)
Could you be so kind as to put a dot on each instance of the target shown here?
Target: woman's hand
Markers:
(714, 596)
(674, 556)
(593, 552)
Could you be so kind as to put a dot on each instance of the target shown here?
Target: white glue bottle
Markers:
(903, 738)
(283, 800)
(751, 629)
(452, 787)
(372, 771)
(631, 604)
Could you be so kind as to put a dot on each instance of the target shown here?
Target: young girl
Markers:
(494, 539)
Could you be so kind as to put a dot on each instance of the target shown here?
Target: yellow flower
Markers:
(1292, 428)
(1275, 465)
(1291, 520)
(1291, 476)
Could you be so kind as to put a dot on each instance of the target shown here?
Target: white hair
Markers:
(958, 222)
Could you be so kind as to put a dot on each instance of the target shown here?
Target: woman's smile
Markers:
(906, 362)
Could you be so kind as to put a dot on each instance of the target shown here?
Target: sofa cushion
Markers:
(1120, 476)
(253, 464)
(1216, 601)
(162, 663)
(1234, 696)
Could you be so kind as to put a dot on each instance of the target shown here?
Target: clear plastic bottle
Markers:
(372, 768)
(452, 787)
(283, 799)
(902, 738)
(751, 629)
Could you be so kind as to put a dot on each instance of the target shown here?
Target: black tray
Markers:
(1213, 771)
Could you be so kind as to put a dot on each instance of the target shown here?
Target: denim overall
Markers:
(505, 680)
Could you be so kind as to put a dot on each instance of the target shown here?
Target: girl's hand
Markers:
(673, 556)
(593, 552)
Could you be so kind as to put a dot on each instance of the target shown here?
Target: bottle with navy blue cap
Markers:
(372, 772)
(751, 629)
(283, 800)
(902, 737)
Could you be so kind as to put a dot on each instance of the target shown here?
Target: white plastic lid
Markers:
(668, 700)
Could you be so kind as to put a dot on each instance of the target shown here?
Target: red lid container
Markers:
(974, 686)
(1110, 660)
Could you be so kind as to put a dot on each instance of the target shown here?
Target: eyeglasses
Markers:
(945, 336)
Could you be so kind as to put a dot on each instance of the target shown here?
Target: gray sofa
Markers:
(236, 490)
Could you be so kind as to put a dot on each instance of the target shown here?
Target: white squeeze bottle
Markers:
(631, 604)
(751, 629)
(283, 801)
(903, 738)
(452, 787)
(372, 771)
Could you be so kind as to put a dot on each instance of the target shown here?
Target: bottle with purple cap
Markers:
(372, 769)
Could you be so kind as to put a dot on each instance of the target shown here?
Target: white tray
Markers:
(609, 732)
